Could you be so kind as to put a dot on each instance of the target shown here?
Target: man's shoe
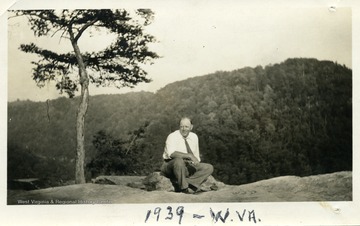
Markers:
(192, 187)
(185, 191)
(196, 190)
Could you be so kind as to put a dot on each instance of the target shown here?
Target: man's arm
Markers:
(187, 156)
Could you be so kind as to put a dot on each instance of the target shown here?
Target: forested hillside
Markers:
(292, 118)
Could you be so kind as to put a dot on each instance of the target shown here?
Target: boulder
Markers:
(211, 184)
(158, 182)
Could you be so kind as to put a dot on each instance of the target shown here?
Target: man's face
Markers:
(185, 127)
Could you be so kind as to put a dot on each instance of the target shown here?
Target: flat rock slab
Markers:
(327, 187)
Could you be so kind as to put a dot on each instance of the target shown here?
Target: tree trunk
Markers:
(80, 135)
(81, 113)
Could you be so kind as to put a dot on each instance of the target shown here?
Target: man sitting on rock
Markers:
(182, 159)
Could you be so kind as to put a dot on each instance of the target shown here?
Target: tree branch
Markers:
(57, 31)
(62, 35)
(85, 27)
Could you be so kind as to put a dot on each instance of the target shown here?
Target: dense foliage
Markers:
(115, 156)
(292, 118)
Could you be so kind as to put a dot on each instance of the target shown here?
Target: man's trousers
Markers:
(184, 173)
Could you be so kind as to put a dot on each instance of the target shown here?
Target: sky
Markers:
(194, 41)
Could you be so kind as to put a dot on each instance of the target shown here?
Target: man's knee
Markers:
(207, 168)
(210, 168)
(179, 163)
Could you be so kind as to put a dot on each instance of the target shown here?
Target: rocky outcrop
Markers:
(153, 182)
(326, 187)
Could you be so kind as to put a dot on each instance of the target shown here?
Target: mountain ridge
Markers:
(252, 123)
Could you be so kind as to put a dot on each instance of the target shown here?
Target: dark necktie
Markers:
(188, 149)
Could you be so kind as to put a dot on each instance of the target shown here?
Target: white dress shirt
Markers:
(176, 142)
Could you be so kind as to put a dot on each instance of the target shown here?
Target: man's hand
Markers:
(193, 159)
(186, 156)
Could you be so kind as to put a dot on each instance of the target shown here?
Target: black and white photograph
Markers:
(180, 113)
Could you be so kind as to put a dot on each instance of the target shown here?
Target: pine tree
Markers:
(119, 64)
